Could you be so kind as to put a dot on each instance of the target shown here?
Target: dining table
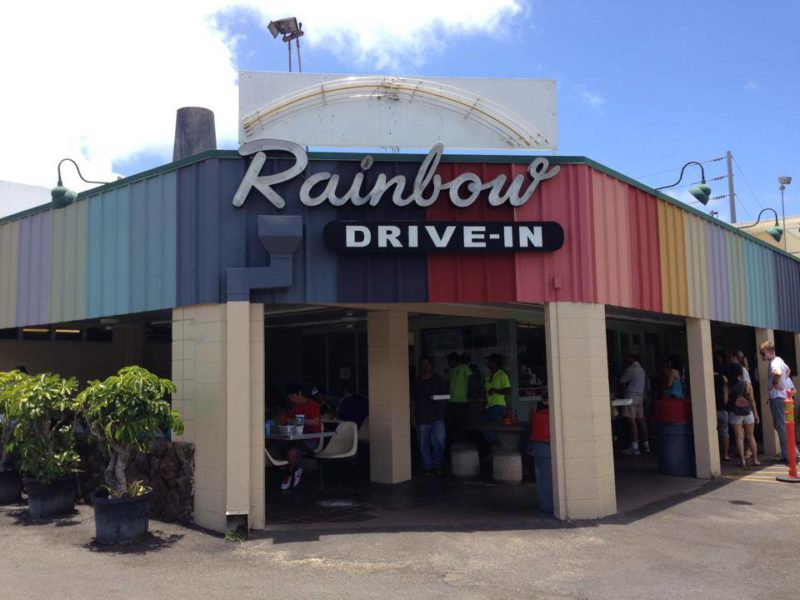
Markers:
(508, 435)
(289, 437)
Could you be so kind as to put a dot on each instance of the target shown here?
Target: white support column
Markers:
(580, 411)
(389, 416)
(771, 444)
(796, 379)
(704, 410)
(218, 369)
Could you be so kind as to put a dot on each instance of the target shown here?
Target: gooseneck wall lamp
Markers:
(775, 232)
(701, 192)
(60, 195)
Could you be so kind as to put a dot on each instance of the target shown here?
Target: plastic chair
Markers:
(275, 462)
(363, 431)
(343, 445)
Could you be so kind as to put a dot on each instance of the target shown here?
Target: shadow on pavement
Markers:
(153, 541)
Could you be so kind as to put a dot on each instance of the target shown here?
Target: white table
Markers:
(288, 437)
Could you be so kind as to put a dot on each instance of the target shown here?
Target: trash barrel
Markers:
(675, 437)
(539, 449)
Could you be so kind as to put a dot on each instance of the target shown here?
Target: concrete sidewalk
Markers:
(736, 537)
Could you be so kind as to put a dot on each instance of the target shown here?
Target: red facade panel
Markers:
(478, 277)
(567, 275)
(626, 244)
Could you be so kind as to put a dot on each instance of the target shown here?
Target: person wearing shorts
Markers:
(742, 413)
(634, 379)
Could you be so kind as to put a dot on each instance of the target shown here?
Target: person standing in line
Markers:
(673, 386)
(634, 379)
(779, 383)
(428, 416)
(723, 422)
(456, 409)
(498, 387)
(742, 411)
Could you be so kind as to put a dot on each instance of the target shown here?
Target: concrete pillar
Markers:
(771, 444)
(704, 409)
(580, 412)
(217, 366)
(389, 416)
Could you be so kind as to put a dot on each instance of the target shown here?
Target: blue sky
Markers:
(643, 87)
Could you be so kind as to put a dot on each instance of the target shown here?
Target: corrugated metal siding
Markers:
(34, 270)
(478, 277)
(788, 279)
(9, 257)
(698, 279)
(381, 277)
(672, 254)
(718, 270)
(131, 248)
(762, 302)
(626, 245)
(68, 263)
(565, 199)
(737, 285)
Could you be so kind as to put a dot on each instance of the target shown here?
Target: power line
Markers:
(747, 183)
(704, 162)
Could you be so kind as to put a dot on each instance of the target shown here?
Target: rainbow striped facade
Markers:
(165, 238)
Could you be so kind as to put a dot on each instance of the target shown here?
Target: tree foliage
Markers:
(124, 412)
(43, 409)
(8, 379)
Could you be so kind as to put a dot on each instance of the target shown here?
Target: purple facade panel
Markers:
(33, 271)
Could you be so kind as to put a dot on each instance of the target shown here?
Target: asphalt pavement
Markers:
(736, 537)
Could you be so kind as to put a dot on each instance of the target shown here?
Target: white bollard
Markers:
(507, 467)
(465, 461)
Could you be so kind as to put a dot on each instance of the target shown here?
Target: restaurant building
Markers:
(233, 271)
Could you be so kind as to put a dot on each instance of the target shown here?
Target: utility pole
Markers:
(731, 193)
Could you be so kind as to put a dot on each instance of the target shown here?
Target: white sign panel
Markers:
(398, 112)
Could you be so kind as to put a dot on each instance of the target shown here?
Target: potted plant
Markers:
(43, 408)
(10, 481)
(124, 413)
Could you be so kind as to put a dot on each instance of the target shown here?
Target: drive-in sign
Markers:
(439, 236)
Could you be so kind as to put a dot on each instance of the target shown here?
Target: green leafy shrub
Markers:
(124, 412)
(43, 410)
(8, 379)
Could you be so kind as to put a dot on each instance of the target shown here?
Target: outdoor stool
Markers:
(465, 461)
(507, 467)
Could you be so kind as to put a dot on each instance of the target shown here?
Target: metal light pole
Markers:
(290, 30)
(784, 180)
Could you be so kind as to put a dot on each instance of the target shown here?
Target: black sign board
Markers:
(443, 236)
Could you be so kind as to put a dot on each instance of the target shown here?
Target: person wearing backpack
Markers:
(742, 412)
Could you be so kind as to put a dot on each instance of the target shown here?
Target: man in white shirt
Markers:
(778, 383)
(634, 380)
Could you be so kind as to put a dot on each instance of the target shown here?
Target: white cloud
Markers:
(592, 99)
(100, 81)
(751, 85)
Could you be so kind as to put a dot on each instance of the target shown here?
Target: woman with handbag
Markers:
(742, 412)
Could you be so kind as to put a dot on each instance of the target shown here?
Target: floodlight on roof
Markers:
(290, 29)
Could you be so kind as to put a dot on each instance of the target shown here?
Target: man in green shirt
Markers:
(456, 412)
(498, 387)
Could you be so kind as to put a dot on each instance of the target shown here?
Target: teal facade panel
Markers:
(131, 248)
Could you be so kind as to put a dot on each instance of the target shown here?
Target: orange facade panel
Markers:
(672, 248)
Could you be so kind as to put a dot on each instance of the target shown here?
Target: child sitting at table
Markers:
(308, 407)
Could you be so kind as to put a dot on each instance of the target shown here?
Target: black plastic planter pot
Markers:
(10, 486)
(122, 520)
(47, 500)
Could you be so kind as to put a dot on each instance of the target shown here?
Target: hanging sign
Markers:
(439, 236)
(324, 187)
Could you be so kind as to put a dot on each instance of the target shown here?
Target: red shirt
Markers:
(310, 409)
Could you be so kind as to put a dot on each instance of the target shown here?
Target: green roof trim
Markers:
(415, 157)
